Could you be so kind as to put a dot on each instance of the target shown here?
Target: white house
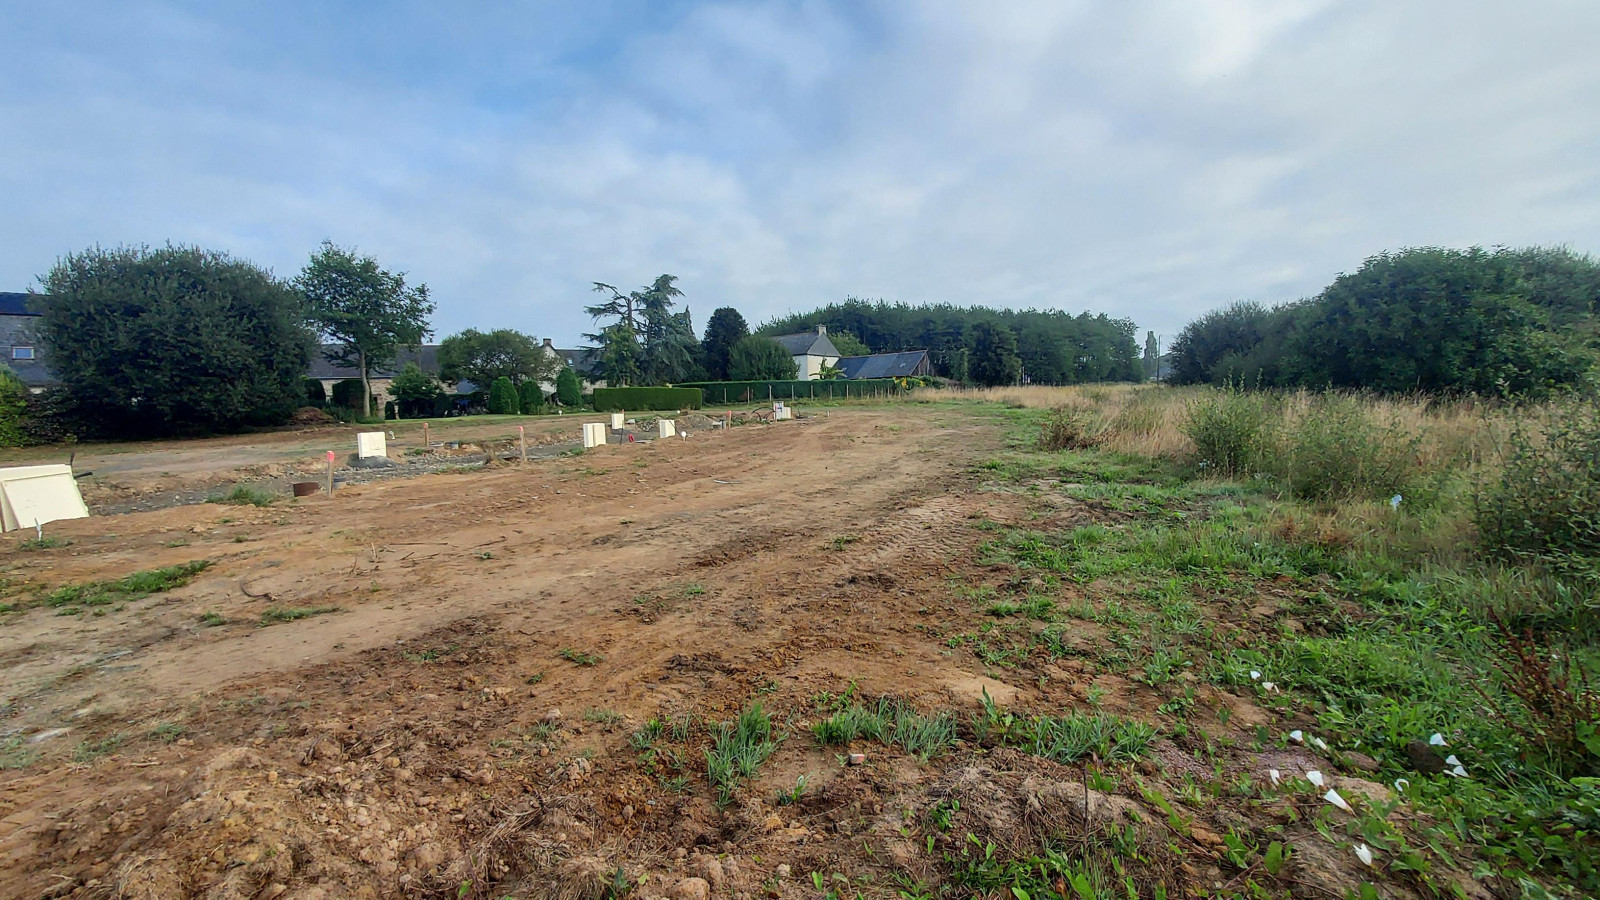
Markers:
(811, 351)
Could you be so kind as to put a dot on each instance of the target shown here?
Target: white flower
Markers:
(1364, 854)
(1297, 736)
(1437, 740)
(1315, 777)
(1332, 796)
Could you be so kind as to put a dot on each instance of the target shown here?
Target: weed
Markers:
(89, 751)
(737, 749)
(16, 754)
(793, 795)
(134, 587)
(581, 657)
(277, 614)
(166, 732)
(212, 619)
(647, 735)
(1069, 428)
(48, 542)
(601, 716)
(1232, 430)
(245, 496)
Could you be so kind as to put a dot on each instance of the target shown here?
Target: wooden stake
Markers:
(330, 473)
(425, 437)
(522, 439)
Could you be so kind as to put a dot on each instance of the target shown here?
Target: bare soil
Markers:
(460, 726)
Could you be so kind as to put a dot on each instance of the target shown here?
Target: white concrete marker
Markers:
(33, 495)
(370, 444)
(594, 435)
(666, 427)
(616, 421)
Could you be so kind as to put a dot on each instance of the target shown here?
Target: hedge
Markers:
(618, 399)
(762, 391)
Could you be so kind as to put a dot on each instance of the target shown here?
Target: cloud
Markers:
(1149, 159)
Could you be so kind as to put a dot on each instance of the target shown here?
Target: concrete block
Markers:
(616, 421)
(371, 443)
(781, 413)
(594, 434)
(34, 495)
(666, 427)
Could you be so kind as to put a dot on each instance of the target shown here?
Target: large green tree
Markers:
(994, 355)
(481, 357)
(723, 330)
(173, 340)
(757, 358)
(367, 312)
(645, 340)
(414, 392)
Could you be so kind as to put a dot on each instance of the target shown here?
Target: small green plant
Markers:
(581, 657)
(277, 615)
(89, 751)
(166, 732)
(1069, 428)
(647, 735)
(212, 619)
(601, 716)
(48, 542)
(737, 749)
(1233, 431)
(245, 496)
(134, 587)
(793, 795)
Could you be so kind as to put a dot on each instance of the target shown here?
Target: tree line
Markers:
(981, 345)
(1503, 321)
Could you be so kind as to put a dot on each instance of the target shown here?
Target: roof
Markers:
(807, 343)
(15, 304)
(426, 357)
(583, 360)
(884, 365)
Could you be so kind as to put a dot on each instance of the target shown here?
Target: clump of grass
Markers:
(212, 619)
(1545, 504)
(889, 722)
(277, 615)
(738, 749)
(48, 542)
(16, 754)
(89, 751)
(1233, 431)
(581, 657)
(134, 587)
(166, 732)
(1069, 428)
(245, 496)
(601, 716)
(1066, 738)
(647, 735)
(1337, 450)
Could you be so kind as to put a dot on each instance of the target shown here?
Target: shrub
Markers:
(1069, 428)
(1232, 431)
(413, 391)
(503, 400)
(316, 394)
(13, 409)
(347, 393)
(568, 391)
(1336, 451)
(52, 417)
(1546, 503)
(617, 399)
(389, 410)
(762, 391)
(531, 397)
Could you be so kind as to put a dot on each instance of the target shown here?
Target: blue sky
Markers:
(1144, 159)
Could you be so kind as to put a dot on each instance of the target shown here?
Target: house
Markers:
(18, 316)
(584, 361)
(426, 357)
(812, 352)
(887, 365)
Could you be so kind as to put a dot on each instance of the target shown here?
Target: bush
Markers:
(51, 417)
(1337, 452)
(347, 393)
(619, 399)
(763, 391)
(1232, 431)
(1546, 503)
(568, 391)
(13, 409)
(503, 400)
(532, 398)
(316, 394)
(1068, 428)
(389, 410)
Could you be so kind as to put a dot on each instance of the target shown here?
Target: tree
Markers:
(503, 398)
(723, 330)
(367, 311)
(532, 398)
(994, 355)
(569, 392)
(848, 344)
(414, 391)
(756, 358)
(1152, 356)
(668, 347)
(481, 357)
(174, 340)
(617, 342)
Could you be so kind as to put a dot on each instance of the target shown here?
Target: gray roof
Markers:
(584, 360)
(13, 303)
(807, 343)
(885, 365)
(426, 357)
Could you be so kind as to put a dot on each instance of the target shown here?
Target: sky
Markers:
(1147, 159)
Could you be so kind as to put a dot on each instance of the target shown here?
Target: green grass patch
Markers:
(245, 496)
(48, 542)
(277, 615)
(737, 750)
(134, 587)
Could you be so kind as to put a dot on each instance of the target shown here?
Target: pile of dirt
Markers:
(310, 416)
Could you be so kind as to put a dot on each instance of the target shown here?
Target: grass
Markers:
(245, 496)
(277, 615)
(890, 722)
(1404, 625)
(48, 542)
(212, 619)
(737, 750)
(134, 587)
(581, 657)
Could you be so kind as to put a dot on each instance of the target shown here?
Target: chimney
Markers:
(822, 329)
(548, 345)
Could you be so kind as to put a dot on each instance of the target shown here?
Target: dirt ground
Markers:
(460, 725)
